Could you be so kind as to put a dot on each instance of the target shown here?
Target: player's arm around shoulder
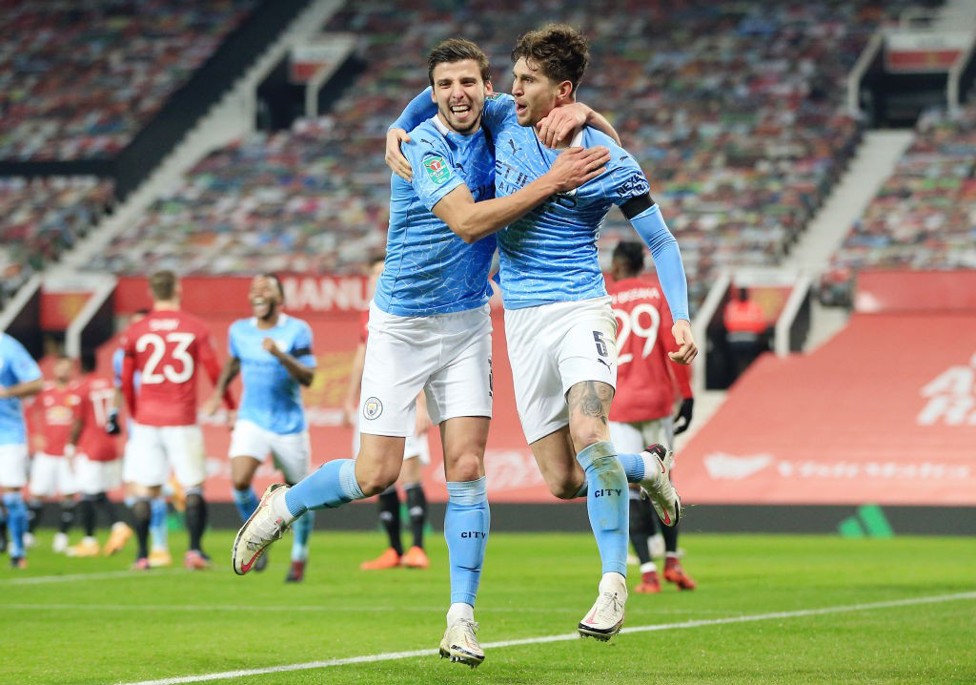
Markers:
(472, 220)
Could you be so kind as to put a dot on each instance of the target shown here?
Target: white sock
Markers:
(652, 465)
(649, 567)
(458, 611)
(280, 508)
(613, 582)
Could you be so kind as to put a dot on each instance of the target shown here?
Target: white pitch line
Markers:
(395, 656)
(72, 577)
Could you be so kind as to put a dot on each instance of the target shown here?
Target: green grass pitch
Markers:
(768, 609)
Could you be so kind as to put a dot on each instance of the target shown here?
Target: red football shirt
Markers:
(647, 380)
(96, 399)
(168, 348)
(55, 412)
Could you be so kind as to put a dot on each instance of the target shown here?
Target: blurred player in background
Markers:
(20, 377)
(416, 455)
(98, 468)
(273, 353)
(159, 554)
(167, 348)
(558, 321)
(430, 329)
(642, 409)
(52, 468)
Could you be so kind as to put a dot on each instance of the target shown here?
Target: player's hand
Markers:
(577, 165)
(394, 157)
(271, 347)
(422, 424)
(212, 404)
(687, 349)
(112, 426)
(561, 124)
(683, 419)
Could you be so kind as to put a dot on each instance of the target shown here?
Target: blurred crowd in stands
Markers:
(924, 216)
(79, 79)
(42, 217)
(736, 111)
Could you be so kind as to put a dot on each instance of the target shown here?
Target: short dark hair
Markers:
(631, 254)
(559, 51)
(456, 50)
(162, 284)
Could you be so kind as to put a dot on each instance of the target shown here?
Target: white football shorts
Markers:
(446, 355)
(153, 450)
(553, 347)
(50, 475)
(635, 437)
(413, 447)
(291, 453)
(14, 465)
(94, 477)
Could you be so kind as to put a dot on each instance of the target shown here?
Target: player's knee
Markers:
(241, 482)
(587, 435)
(466, 466)
(375, 480)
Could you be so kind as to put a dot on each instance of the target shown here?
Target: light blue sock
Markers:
(466, 524)
(607, 504)
(633, 466)
(16, 522)
(303, 529)
(246, 502)
(158, 524)
(332, 485)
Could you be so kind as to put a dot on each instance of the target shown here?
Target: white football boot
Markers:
(657, 484)
(259, 531)
(606, 617)
(460, 644)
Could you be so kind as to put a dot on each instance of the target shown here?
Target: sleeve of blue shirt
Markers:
(24, 366)
(303, 346)
(433, 173)
(417, 111)
(630, 183)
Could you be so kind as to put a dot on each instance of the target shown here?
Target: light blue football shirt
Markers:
(16, 367)
(429, 269)
(272, 399)
(550, 254)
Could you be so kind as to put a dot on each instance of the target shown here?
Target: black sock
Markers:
(196, 519)
(140, 515)
(67, 516)
(670, 534)
(417, 507)
(34, 510)
(641, 528)
(86, 512)
(389, 502)
(102, 501)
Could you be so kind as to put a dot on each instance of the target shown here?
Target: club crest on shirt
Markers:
(372, 408)
(437, 169)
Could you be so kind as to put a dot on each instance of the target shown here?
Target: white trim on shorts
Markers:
(291, 452)
(14, 465)
(446, 355)
(553, 347)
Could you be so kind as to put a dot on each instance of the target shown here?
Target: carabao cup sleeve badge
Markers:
(437, 169)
